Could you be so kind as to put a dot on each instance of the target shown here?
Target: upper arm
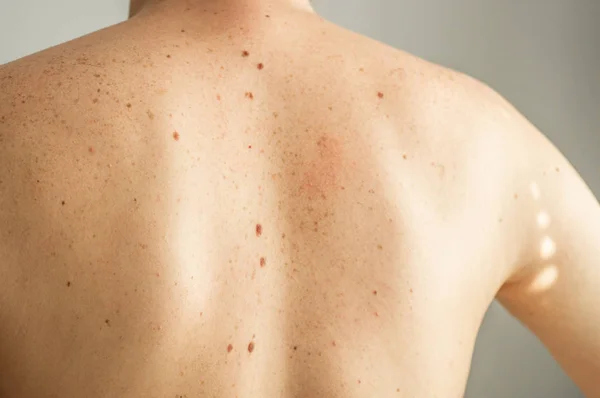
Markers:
(555, 292)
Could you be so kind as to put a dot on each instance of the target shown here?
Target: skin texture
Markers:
(240, 199)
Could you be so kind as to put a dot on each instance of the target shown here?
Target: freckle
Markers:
(96, 75)
(268, 16)
(168, 55)
(251, 347)
(229, 348)
(68, 283)
(397, 390)
(245, 53)
(107, 322)
(411, 290)
(516, 196)
(333, 343)
(260, 66)
(150, 115)
(176, 136)
(182, 30)
(249, 95)
(295, 348)
(98, 90)
(380, 247)
(63, 203)
(263, 262)
(404, 157)
(377, 314)
(558, 170)
(259, 230)
(95, 101)
(380, 94)
(359, 382)
(129, 105)
(375, 292)
(91, 149)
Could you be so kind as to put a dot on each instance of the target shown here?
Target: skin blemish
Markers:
(558, 169)
(259, 230)
(295, 348)
(245, 53)
(129, 105)
(107, 322)
(380, 247)
(182, 30)
(375, 292)
(218, 97)
(95, 100)
(150, 114)
(168, 55)
(516, 196)
(176, 136)
(263, 262)
(333, 343)
(68, 283)
(251, 347)
(91, 149)
(260, 66)
(229, 348)
(380, 94)
(63, 203)
(249, 95)
(404, 157)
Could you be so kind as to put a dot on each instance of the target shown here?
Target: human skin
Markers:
(238, 198)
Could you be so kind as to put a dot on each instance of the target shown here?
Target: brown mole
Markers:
(263, 262)
(176, 136)
(251, 347)
(260, 66)
(229, 348)
(259, 230)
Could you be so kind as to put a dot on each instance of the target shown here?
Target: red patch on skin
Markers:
(322, 175)
(176, 136)
(260, 66)
(229, 348)
(91, 149)
(259, 230)
(218, 97)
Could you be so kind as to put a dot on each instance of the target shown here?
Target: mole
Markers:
(259, 230)
(168, 55)
(263, 262)
(249, 95)
(251, 347)
(129, 105)
(176, 136)
(63, 203)
(91, 149)
(245, 53)
(107, 322)
(68, 283)
(229, 348)
(375, 292)
(260, 66)
(380, 94)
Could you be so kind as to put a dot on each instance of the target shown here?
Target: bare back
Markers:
(209, 203)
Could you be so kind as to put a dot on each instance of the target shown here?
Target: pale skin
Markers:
(237, 198)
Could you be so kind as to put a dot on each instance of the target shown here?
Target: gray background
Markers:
(543, 55)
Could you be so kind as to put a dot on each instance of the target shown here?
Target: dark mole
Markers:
(107, 322)
(263, 262)
(268, 16)
(68, 283)
(259, 229)
(251, 347)
(245, 53)
(229, 348)
(63, 203)
(176, 136)
(168, 55)
(249, 95)
(380, 94)
(295, 348)
(98, 90)
(182, 30)
(260, 66)
(375, 292)
(129, 105)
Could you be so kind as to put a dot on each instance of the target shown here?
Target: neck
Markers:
(137, 5)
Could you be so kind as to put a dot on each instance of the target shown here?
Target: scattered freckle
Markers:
(397, 390)
(63, 203)
(229, 348)
(251, 347)
(411, 290)
(404, 157)
(96, 75)
(259, 230)
(98, 90)
(68, 283)
(333, 343)
(150, 114)
(359, 382)
(516, 196)
(218, 97)
(380, 94)
(263, 262)
(375, 292)
(377, 314)
(129, 105)
(380, 247)
(245, 53)
(176, 136)
(362, 69)
(249, 95)
(260, 66)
